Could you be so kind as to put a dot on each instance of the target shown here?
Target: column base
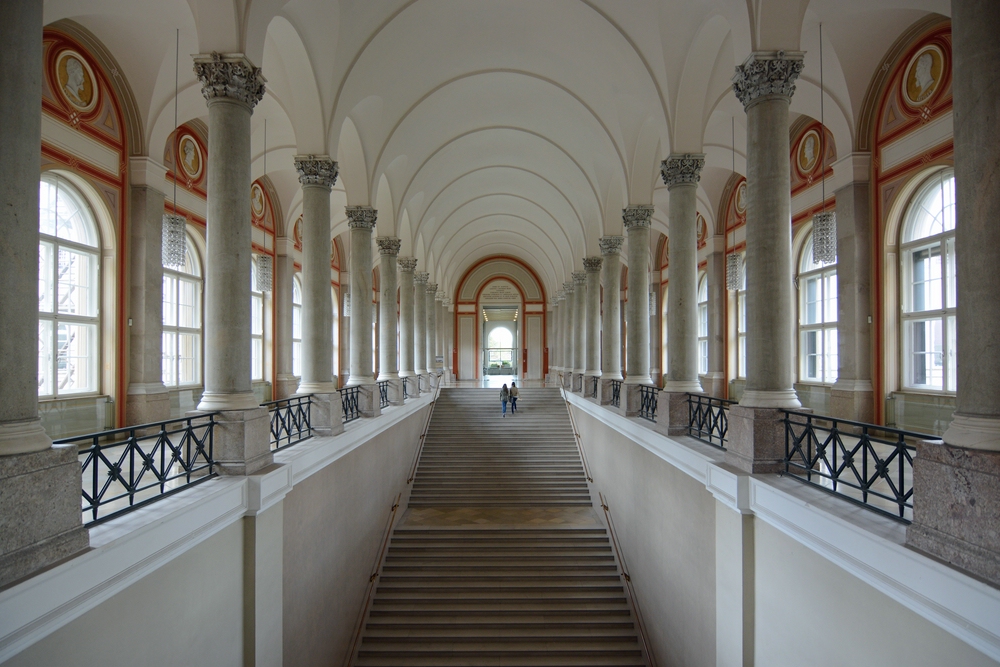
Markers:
(956, 506)
(23, 437)
(683, 386)
(242, 441)
(369, 404)
(285, 386)
(854, 400)
(756, 439)
(636, 379)
(326, 416)
(213, 401)
(982, 433)
(40, 519)
(785, 399)
(316, 388)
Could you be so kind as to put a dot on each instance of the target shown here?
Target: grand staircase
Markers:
(500, 558)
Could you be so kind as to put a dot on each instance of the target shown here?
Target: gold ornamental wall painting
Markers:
(191, 159)
(923, 75)
(76, 81)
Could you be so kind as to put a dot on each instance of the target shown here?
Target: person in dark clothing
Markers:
(513, 397)
(504, 397)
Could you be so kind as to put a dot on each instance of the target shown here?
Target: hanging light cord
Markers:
(822, 120)
(177, 60)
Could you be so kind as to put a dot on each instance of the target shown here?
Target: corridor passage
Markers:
(500, 558)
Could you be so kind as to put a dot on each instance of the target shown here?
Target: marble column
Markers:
(420, 322)
(681, 174)
(406, 368)
(147, 400)
(956, 503)
(637, 221)
(317, 176)
(388, 248)
(555, 337)
(579, 328)
(611, 332)
(232, 86)
(41, 482)
(717, 296)
(765, 84)
(568, 336)
(285, 382)
(592, 267)
(361, 220)
(431, 330)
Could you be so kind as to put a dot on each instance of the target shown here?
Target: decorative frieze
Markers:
(767, 75)
(611, 245)
(637, 216)
(230, 77)
(361, 217)
(389, 245)
(682, 169)
(592, 264)
(317, 170)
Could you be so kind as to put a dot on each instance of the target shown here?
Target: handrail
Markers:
(579, 443)
(291, 422)
(376, 569)
(423, 436)
(620, 556)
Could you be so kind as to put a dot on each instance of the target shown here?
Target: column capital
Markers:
(767, 75)
(229, 76)
(406, 264)
(682, 169)
(389, 245)
(361, 217)
(568, 288)
(592, 264)
(579, 278)
(432, 288)
(439, 296)
(421, 277)
(611, 245)
(317, 170)
(637, 216)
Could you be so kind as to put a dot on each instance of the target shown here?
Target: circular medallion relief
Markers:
(76, 81)
(923, 75)
(741, 198)
(702, 229)
(190, 156)
(807, 156)
(257, 200)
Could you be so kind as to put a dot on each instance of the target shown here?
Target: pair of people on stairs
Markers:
(508, 395)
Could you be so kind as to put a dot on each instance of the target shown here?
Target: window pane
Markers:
(169, 300)
(811, 356)
(47, 208)
(830, 360)
(296, 358)
(934, 209)
(703, 356)
(811, 310)
(256, 359)
(188, 352)
(46, 272)
(926, 276)
(741, 307)
(952, 280)
(169, 369)
(951, 351)
(925, 366)
(256, 315)
(77, 283)
(742, 356)
(45, 380)
(830, 297)
(297, 322)
(187, 306)
(296, 291)
(76, 365)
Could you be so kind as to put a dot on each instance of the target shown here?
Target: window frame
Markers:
(297, 320)
(702, 322)
(197, 279)
(257, 313)
(741, 324)
(825, 274)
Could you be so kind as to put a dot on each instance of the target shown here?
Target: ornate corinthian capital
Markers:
(592, 264)
(315, 170)
(568, 288)
(579, 278)
(421, 277)
(767, 75)
(682, 169)
(637, 216)
(361, 217)
(611, 245)
(406, 264)
(229, 76)
(388, 245)
(432, 288)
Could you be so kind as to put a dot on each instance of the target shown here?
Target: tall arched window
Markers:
(68, 292)
(703, 323)
(741, 323)
(182, 321)
(256, 326)
(817, 318)
(296, 326)
(929, 297)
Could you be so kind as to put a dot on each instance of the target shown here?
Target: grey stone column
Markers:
(406, 267)
(554, 335)
(592, 266)
(431, 331)
(285, 384)
(611, 332)
(40, 502)
(232, 86)
(147, 399)
(717, 296)
(568, 336)
(388, 248)
(420, 322)
(681, 174)
(579, 328)
(361, 220)
(637, 220)
(852, 396)
(317, 176)
(955, 484)
(765, 84)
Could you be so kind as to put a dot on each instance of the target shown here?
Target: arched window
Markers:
(741, 323)
(929, 297)
(182, 321)
(256, 326)
(817, 318)
(703, 323)
(68, 292)
(296, 326)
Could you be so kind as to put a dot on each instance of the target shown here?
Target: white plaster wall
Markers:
(334, 523)
(665, 521)
(807, 606)
(188, 612)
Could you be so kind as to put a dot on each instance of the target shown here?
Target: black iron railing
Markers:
(616, 393)
(383, 394)
(127, 468)
(406, 389)
(649, 397)
(864, 463)
(291, 420)
(349, 402)
(708, 419)
(595, 383)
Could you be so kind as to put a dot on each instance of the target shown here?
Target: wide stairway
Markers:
(500, 558)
